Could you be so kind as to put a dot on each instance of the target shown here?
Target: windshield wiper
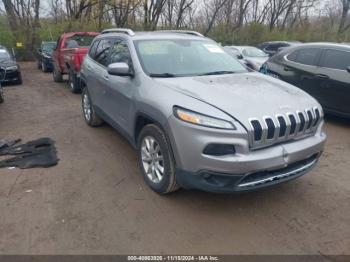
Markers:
(218, 73)
(163, 75)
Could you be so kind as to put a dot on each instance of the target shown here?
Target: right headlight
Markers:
(12, 68)
(201, 119)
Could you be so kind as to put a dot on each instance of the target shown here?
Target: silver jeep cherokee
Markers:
(197, 117)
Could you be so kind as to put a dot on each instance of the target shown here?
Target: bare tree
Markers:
(212, 9)
(343, 26)
(153, 9)
(23, 17)
(75, 9)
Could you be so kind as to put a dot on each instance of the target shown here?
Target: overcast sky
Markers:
(45, 6)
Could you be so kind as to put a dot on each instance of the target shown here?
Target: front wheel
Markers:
(57, 76)
(156, 160)
(19, 80)
(44, 67)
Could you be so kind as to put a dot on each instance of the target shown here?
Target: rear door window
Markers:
(102, 51)
(336, 59)
(307, 56)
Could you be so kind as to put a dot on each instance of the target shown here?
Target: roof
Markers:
(70, 34)
(161, 34)
(326, 44)
(281, 42)
(316, 45)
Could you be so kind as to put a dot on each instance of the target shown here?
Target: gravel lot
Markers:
(95, 200)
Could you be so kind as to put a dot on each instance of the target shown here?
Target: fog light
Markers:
(219, 150)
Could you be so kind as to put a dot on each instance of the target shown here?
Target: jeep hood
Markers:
(243, 96)
(7, 62)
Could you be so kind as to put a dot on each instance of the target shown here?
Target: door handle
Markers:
(287, 68)
(322, 77)
(105, 77)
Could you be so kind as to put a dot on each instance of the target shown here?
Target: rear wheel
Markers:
(74, 83)
(2, 98)
(156, 160)
(57, 76)
(90, 116)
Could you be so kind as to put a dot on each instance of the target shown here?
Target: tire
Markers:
(155, 155)
(2, 98)
(19, 81)
(90, 116)
(44, 67)
(57, 76)
(74, 83)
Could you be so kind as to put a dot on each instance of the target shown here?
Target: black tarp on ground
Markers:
(38, 153)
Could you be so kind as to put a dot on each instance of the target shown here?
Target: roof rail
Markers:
(188, 32)
(126, 31)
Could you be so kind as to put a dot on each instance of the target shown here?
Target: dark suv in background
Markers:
(272, 48)
(321, 69)
(45, 56)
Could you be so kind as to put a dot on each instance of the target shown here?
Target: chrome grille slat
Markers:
(283, 127)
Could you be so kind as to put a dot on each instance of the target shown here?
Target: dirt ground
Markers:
(95, 200)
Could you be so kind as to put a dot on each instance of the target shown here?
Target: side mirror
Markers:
(239, 57)
(39, 50)
(348, 69)
(119, 69)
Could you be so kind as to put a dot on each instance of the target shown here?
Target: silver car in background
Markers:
(197, 117)
(251, 56)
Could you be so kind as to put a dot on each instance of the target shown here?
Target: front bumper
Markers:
(252, 169)
(9, 76)
(48, 63)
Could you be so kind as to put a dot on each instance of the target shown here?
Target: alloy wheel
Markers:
(152, 159)
(87, 107)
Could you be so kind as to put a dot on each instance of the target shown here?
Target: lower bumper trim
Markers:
(228, 183)
(280, 176)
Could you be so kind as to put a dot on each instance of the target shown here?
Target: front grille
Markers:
(282, 128)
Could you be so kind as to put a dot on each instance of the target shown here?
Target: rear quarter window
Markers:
(92, 51)
(336, 59)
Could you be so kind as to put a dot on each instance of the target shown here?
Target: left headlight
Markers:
(12, 68)
(202, 120)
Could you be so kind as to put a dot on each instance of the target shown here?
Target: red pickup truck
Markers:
(69, 54)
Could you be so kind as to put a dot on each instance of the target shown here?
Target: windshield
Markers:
(79, 41)
(49, 47)
(4, 55)
(254, 52)
(171, 58)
